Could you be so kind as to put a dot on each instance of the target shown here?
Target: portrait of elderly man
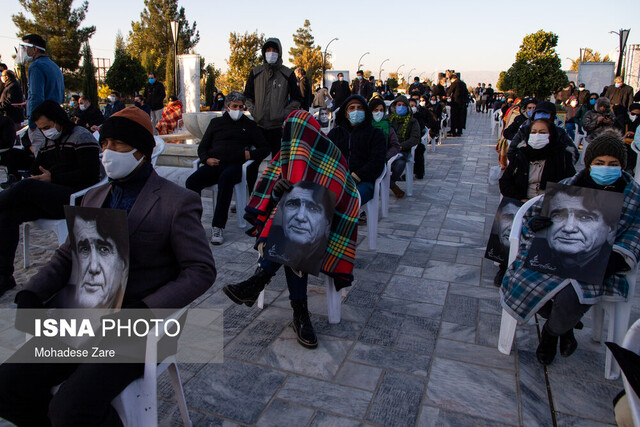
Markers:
(100, 256)
(301, 227)
(498, 245)
(582, 230)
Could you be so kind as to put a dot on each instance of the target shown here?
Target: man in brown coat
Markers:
(170, 265)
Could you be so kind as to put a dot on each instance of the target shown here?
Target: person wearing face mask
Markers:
(67, 162)
(218, 103)
(459, 97)
(88, 115)
(361, 86)
(3, 67)
(599, 119)
(422, 116)
(228, 142)
(154, 94)
(583, 94)
(362, 144)
(113, 105)
(525, 292)
(170, 265)
(339, 91)
(408, 130)
(381, 121)
(171, 114)
(527, 106)
(588, 105)
(140, 102)
(619, 93)
(572, 109)
(11, 94)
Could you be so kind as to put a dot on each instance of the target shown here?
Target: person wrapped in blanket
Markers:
(306, 154)
(562, 301)
(171, 115)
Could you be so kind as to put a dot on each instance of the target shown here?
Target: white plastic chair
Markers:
(371, 209)
(632, 342)
(443, 130)
(384, 189)
(636, 171)
(137, 405)
(408, 171)
(618, 312)
(58, 226)
(239, 190)
(495, 122)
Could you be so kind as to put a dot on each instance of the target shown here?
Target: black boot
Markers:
(7, 282)
(546, 350)
(568, 343)
(247, 292)
(302, 325)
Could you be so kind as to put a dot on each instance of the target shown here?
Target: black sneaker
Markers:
(302, 325)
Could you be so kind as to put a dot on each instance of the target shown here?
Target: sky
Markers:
(477, 38)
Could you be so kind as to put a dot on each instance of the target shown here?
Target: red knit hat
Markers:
(131, 126)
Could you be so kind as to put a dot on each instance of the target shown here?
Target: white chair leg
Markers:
(598, 322)
(618, 325)
(25, 245)
(334, 301)
(179, 393)
(261, 300)
(62, 232)
(372, 224)
(384, 195)
(240, 190)
(507, 332)
(409, 177)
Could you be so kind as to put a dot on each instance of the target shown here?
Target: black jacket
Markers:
(89, 117)
(523, 135)
(583, 96)
(227, 139)
(307, 93)
(458, 92)
(515, 179)
(363, 146)
(622, 95)
(154, 95)
(511, 130)
(12, 94)
(439, 91)
(339, 92)
(363, 88)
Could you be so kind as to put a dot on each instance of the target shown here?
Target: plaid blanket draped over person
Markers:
(308, 155)
(525, 291)
(170, 116)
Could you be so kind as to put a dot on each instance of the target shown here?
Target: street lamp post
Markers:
(409, 78)
(624, 35)
(380, 70)
(324, 60)
(175, 27)
(398, 70)
(359, 60)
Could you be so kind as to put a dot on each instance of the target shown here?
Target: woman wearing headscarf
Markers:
(305, 155)
(408, 130)
(599, 119)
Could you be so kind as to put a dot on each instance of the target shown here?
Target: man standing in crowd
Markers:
(45, 82)
(88, 115)
(154, 96)
(619, 93)
(478, 92)
(361, 86)
(583, 94)
(438, 89)
(305, 88)
(489, 93)
(417, 87)
(459, 96)
(339, 91)
(114, 104)
(170, 266)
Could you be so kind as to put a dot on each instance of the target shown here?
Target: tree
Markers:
(392, 81)
(537, 69)
(88, 73)
(501, 84)
(126, 75)
(589, 55)
(59, 25)
(246, 53)
(151, 41)
(306, 55)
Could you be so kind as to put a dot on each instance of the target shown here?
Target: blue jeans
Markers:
(571, 129)
(366, 192)
(297, 285)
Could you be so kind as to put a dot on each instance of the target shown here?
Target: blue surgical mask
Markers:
(72, 103)
(542, 116)
(356, 117)
(592, 101)
(529, 113)
(401, 110)
(152, 81)
(605, 175)
(359, 77)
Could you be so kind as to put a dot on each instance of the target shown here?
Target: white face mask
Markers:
(580, 89)
(574, 103)
(433, 102)
(82, 107)
(119, 165)
(52, 133)
(235, 114)
(632, 117)
(112, 99)
(618, 84)
(422, 103)
(414, 109)
(378, 115)
(271, 57)
(538, 140)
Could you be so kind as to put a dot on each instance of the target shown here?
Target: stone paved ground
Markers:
(419, 330)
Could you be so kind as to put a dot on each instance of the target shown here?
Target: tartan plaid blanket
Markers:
(170, 116)
(525, 291)
(306, 154)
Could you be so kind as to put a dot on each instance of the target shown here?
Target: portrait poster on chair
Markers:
(498, 244)
(300, 229)
(578, 241)
(99, 243)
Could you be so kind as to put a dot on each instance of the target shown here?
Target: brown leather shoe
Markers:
(397, 191)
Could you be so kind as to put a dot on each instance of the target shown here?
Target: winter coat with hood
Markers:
(411, 137)
(562, 137)
(622, 95)
(272, 91)
(557, 166)
(590, 120)
(362, 145)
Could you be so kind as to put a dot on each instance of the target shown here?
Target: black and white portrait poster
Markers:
(99, 241)
(498, 244)
(578, 242)
(300, 229)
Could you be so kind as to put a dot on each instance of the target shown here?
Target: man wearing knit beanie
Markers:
(170, 265)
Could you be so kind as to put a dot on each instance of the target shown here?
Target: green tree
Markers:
(501, 84)
(537, 69)
(246, 53)
(59, 25)
(589, 55)
(88, 73)
(126, 75)
(392, 81)
(151, 41)
(306, 55)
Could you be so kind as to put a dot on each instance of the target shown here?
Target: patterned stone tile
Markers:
(397, 400)
(476, 354)
(416, 289)
(452, 272)
(583, 398)
(359, 376)
(322, 419)
(281, 413)
(456, 332)
(382, 328)
(396, 305)
(399, 360)
(461, 309)
(253, 341)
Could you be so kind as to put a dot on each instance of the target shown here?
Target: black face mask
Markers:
(137, 104)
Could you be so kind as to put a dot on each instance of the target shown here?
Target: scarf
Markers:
(125, 193)
(383, 125)
(306, 154)
(401, 123)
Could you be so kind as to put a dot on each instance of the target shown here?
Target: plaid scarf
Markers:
(525, 291)
(170, 116)
(308, 155)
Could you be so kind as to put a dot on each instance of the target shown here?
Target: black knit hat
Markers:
(607, 144)
(131, 126)
(375, 102)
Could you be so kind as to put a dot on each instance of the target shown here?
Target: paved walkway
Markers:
(417, 344)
